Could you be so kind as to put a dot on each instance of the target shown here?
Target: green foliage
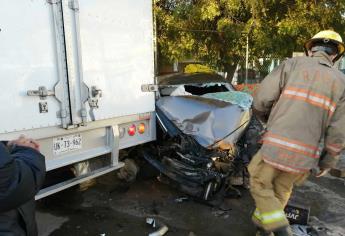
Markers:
(215, 31)
(198, 68)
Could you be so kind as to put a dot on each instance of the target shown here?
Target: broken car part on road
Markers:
(162, 230)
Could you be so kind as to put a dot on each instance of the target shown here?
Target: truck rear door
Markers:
(92, 56)
(117, 55)
(71, 77)
(32, 68)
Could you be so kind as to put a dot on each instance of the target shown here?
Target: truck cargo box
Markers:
(72, 74)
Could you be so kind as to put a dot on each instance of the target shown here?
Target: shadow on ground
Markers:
(111, 208)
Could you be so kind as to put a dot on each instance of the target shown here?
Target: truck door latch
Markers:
(42, 92)
(96, 93)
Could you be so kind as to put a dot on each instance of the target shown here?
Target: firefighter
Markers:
(303, 103)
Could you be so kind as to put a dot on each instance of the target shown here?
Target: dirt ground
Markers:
(111, 208)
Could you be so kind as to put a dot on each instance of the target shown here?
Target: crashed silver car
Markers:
(206, 135)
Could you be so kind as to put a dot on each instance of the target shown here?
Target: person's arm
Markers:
(334, 139)
(269, 91)
(22, 173)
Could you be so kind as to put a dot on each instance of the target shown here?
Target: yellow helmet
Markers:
(327, 36)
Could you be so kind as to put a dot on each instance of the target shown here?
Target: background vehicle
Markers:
(74, 76)
(206, 134)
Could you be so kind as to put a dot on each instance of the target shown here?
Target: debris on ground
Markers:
(129, 171)
(324, 229)
(181, 199)
(221, 212)
(316, 228)
(301, 230)
(162, 229)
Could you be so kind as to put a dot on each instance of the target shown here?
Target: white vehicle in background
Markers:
(77, 76)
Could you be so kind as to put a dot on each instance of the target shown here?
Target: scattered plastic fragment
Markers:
(162, 229)
(316, 228)
(181, 199)
(151, 222)
(219, 213)
(300, 230)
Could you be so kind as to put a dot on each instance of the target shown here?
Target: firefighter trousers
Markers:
(271, 189)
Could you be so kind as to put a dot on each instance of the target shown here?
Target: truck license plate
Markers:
(67, 143)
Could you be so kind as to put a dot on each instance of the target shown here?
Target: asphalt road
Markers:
(111, 208)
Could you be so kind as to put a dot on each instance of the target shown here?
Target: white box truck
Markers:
(77, 76)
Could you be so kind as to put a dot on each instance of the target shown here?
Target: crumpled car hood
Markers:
(213, 123)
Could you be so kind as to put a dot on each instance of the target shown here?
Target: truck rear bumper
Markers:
(96, 139)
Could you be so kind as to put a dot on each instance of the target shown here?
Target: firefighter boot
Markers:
(286, 231)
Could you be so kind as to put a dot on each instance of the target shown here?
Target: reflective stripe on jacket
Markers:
(305, 100)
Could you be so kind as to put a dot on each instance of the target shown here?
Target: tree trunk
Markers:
(230, 70)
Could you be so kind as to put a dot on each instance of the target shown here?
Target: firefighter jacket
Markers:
(304, 98)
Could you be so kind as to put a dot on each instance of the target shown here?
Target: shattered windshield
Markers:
(218, 91)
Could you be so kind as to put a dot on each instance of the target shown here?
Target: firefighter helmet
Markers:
(327, 36)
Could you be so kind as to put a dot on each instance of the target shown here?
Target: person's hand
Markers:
(25, 142)
(322, 172)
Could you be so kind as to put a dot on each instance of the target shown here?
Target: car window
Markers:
(194, 89)
(206, 88)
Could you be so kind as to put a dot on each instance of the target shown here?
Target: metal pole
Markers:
(155, 43)
(247, 58)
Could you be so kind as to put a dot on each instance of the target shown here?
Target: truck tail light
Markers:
(141, 128)
(131, 130)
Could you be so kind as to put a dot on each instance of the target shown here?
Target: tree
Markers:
(215, 31)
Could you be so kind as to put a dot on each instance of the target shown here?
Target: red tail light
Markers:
(141, 128)
(131, 130)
